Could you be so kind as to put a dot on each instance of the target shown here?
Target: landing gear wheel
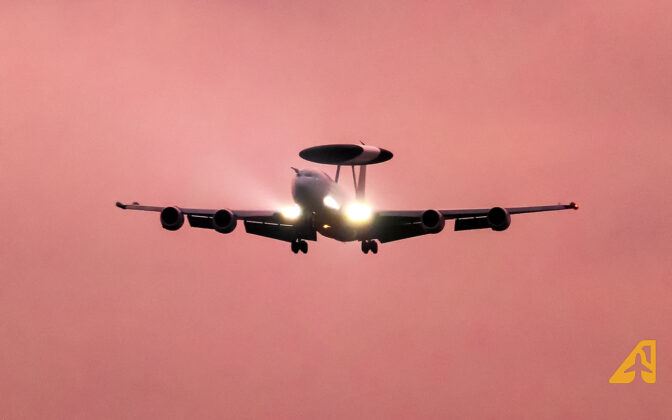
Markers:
(303, 245)
(295, 247)
(370, 245)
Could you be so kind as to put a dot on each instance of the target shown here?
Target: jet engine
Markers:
(172, 218)
(499, 218)
(224, 221)
(432, 221)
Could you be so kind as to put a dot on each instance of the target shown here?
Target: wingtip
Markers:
(121, 206)
(573, 205)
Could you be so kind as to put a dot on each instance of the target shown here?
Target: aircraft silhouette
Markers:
(323, 206)
(640, 364)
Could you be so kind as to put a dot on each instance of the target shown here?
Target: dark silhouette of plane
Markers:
(323, 206)
(640, 365)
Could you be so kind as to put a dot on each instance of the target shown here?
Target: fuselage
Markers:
(325, 205)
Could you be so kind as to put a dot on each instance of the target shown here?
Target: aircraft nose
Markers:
(299, 190)
(307, 192)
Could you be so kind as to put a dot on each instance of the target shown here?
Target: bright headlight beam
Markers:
(291, 212)
(330, 202)
(358, 212)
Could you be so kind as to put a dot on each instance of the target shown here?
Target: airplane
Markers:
(640, 364)
(322, 205)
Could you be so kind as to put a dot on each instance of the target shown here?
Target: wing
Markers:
(268, 223)
(400, 224)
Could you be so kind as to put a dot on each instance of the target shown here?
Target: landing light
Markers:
(330, 202)
(291, 212)
(358, 212)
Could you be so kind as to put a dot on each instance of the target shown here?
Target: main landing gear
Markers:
(300, 245)
(370, 245)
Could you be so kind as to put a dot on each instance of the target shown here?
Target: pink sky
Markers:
(103, 314)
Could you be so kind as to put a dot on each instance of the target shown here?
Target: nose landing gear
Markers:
(300, 245)
(370, 245)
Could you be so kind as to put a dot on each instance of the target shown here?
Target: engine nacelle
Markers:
(432, 221)
(499, 218)
(224, 221)
(172, 218)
